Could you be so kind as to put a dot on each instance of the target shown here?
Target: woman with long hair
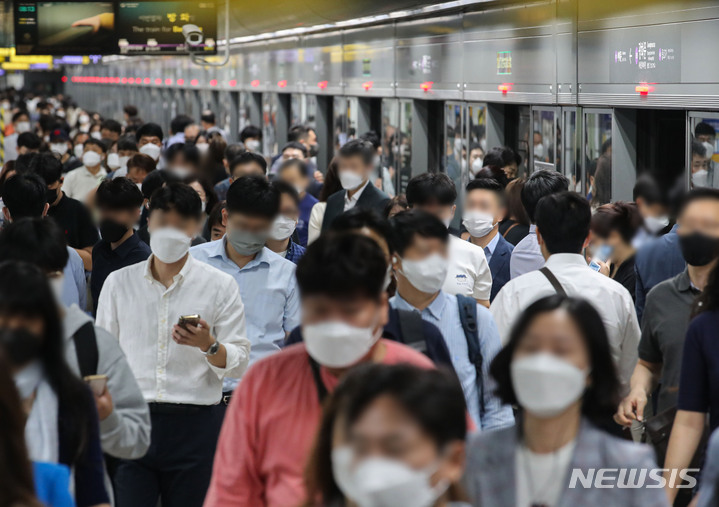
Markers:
(330, 186)
(62, 425)
(515, 225)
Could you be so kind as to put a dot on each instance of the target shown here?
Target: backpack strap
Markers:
(411, 326)
(468, 317)
(86, 349)
(321, 389)
(553, 280)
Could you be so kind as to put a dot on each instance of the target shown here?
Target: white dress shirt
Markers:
(610, 298)
(468, 272)
(351, 202)
(140, 311)
(527, 255)
(80, 182)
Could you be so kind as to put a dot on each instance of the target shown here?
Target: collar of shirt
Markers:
(125, 248)
(489, 249)
(220, 250)
(356, 195)
(532, 229)
(176, 279)
(100, 174)
(683, 283)
(435, 308)
(558, 261)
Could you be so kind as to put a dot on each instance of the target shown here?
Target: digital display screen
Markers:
(128, 28)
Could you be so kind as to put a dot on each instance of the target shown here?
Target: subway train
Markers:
(558, 81)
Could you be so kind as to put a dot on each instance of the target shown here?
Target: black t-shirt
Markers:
(626, 275)
(74, 219)
(512, 231)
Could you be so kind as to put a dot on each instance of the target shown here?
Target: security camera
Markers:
(193, 35)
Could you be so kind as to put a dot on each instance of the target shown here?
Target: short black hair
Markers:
(47, 166)
(285, 188)
(704, 129)
(24, 195)
(179, 123)
(233, 150)
(207, 116)
(127, 143)
(250, 131)
(342, 266)
(150, 130)
(96, 142)
(487, 184)
(408, 224)
(373, 138)
(563, 220)
(111, 125)
(359, 218)
(540, 184)
(29, 140)
(130, 110)
(253, 195)
(494, 173)
(358, 148)
(698, 148)
(249, 157)
(601, 396)
(297, 146)
(35, 240)
(16, 116)
(155, 180)
(298, 133)
(189, 152)
(119, 194)
(648, 188)
(431, 188)
(622, 217)
(300, 165)
(697, 194)
(181, 198)
(499, 156)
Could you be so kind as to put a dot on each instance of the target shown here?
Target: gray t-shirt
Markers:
(664, 326)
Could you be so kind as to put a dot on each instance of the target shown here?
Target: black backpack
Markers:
(86, 349)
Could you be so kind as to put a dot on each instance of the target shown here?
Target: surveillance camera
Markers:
(193, 35)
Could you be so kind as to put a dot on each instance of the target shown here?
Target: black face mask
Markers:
(112, 231)
(314, 149)
(20, 345)
(699, 249)
(51, 196)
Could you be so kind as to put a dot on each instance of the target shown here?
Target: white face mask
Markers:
(336, 344)
(180, 171)
(202, 147)
(478, 223)
(83, 119)
(123, 161)
(22, 126)
(383, 482)
(96, 135)
(113, 161)
(538, 150)
(656, 224)
(700, 178)
(85, 128)
(282, 228)
(426, 275)
(299, 190)
(91, 159)
(709, 147)
(476, 166)
(151, 150)
(59, 148)
(546, 385)
(350, 180)
(77, 150)
(169, 244)
(56, 284)
(252, 145)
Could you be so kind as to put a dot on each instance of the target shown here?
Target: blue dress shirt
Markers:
(489, 249)
(269, 292)
(74, 285)
(443, 312)
(527, 255)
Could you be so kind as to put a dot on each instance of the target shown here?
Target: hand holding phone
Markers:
(188, 320)
(97, 383)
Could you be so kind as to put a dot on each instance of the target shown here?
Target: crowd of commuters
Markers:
(185, 321)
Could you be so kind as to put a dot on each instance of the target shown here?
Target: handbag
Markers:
(657, 430)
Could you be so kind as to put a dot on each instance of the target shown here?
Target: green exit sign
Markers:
(26, 8)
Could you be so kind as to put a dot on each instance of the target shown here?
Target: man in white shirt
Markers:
(80, 182)
(179, 363)
(468, 272)
(21, 123)
(562, 232)
(527, 255)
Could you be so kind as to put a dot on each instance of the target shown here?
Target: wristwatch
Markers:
(214, 348)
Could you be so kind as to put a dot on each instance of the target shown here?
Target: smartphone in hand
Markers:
(188, 320)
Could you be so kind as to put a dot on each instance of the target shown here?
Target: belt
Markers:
(176, 408)
(226, 397)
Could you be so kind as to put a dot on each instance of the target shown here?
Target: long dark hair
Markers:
(708, 300)
(332, 181)
(25, 290)
(16, 483)
(602, 396)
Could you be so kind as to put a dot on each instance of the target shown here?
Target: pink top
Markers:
(270, 428)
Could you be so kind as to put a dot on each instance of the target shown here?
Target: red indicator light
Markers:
(180, 82)
(63, 79)
(233, 82)
(194, 82)
(644, 89)
(124, 80)
(426, 86)
(131, 80)
(322, 84)
(146, 80)
(158, 81)
(282, 84)
(213, 82)
(505, 87)
(168, 81)
(367, 85)
(255, 83)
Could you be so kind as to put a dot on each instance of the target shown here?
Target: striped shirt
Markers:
(443, 312)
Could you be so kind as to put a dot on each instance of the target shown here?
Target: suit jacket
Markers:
(490, 472)
(371, 198)
(499, 265)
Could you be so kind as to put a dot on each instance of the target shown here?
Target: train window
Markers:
(523, 140)
(345, 120)
(703, 160)
(477, 135)
(598, 157)
(297, 108)
(244, 114)
(390, 121)
(544, 138)
(310, 117)
(454, 158)
(403, 144)
(569, 153)
(269, 124)
(224, 116)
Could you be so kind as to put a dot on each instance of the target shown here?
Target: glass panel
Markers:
(352, 117)
(543, 139)
(568, 137)
(339, 112)
(523, 141)
(224, 119)
(704, 163)
(404, 144)
(390, 120)
(269, 124)
(477, 129)
(598, 158)
(311, 113)
(297, 109)
(454, 159)
(244, 114)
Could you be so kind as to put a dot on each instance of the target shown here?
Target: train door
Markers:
(243, 116)
(702, 158)
(455, 152)
(543, 148)
(597, 162)
(517, 126)
(390, 133)
(345, 112)
(403, 145)
(269, 124)
(569, 147)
